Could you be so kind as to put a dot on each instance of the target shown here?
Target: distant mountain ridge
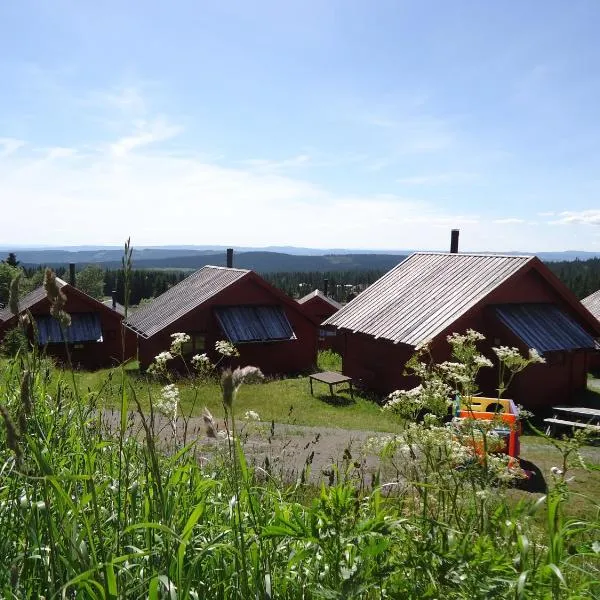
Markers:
(261, 260)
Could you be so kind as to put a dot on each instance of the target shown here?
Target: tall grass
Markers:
(93, 510)
(90, 512)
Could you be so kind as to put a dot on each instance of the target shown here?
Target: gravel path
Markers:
(287, 449)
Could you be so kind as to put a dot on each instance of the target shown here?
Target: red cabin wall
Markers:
(272, 357)
(320, 310)
(380, 363)
(88, 355)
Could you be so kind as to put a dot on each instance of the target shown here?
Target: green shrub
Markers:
(14, 341)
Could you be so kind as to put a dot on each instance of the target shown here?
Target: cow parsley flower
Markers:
(178, 340)
(201, 362)
(168, 403)
(225, 348)
(251, 415)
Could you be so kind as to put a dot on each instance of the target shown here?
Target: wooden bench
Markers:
(553, 422)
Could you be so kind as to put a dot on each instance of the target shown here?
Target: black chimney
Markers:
(454, 241)
(325, 286)
(72, 274)
(229, 258)
(114, 299)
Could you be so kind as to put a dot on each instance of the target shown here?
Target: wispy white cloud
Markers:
(508, 221)
(440, 179)
(262, 164)
(583, 217)
(9, 145)
(148, 132)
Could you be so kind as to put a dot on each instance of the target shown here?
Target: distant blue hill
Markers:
(265, 260)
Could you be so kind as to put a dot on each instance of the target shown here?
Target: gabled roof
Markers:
(118, 308)
(592, 303)
(39, 294)
(425, 294)
(182, 298)
(322, 296)
(29, 300)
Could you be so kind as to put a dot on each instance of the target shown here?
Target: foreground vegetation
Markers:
(89, 511)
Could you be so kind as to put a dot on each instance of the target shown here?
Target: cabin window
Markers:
(196, 344)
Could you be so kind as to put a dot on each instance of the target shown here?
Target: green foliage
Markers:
(90, 280)
(328, 360)
(7, 274)
(581, 276)
(14, 342)
(94, 509)
(11, 260)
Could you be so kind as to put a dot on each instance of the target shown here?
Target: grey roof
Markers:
(84, 327)
(592, 303)
(29, 300)
(320, 294)
(119, 308)
(181, 298)
(425, 294)
(544, 327)
(254, 323)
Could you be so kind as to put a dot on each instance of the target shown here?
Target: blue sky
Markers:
(327, 124)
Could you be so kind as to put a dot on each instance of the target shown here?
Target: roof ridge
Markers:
(482, 254)
(224, 268)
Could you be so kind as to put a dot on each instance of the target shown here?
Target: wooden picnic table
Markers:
(574, 416)
(331, 378)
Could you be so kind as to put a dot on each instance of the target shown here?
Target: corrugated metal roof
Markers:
(254, 323)
(425, 294)
(544, 327)
(29, 300)
(85, 327)
(592, 303)
(320, 294)
(118, 308)
(181, 298)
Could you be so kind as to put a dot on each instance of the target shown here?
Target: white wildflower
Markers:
(178, 340)
(251, 415)
(159, 366)
(225, 348)
(482, 361)
(168, 402)
(535, 357)
(201, 362)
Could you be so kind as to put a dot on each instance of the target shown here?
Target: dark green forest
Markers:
(581, 276)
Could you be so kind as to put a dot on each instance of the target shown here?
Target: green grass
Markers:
(285, 401)
(87, 512)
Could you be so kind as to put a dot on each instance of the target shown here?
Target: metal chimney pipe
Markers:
(229, 258)
(325, 286)
(114, 299)
(72, 274)
(454, 241)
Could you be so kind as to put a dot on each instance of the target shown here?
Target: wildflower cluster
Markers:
(179, 339)
(168, 401)
(251, 415)
(201, 363)
(159, 365)
(225, 348)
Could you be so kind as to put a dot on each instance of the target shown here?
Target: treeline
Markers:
(144, 283)
(581, 276)
(340, 284)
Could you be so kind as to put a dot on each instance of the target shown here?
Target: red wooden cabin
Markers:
(270, 330)
(94, 336)
(513, 300)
